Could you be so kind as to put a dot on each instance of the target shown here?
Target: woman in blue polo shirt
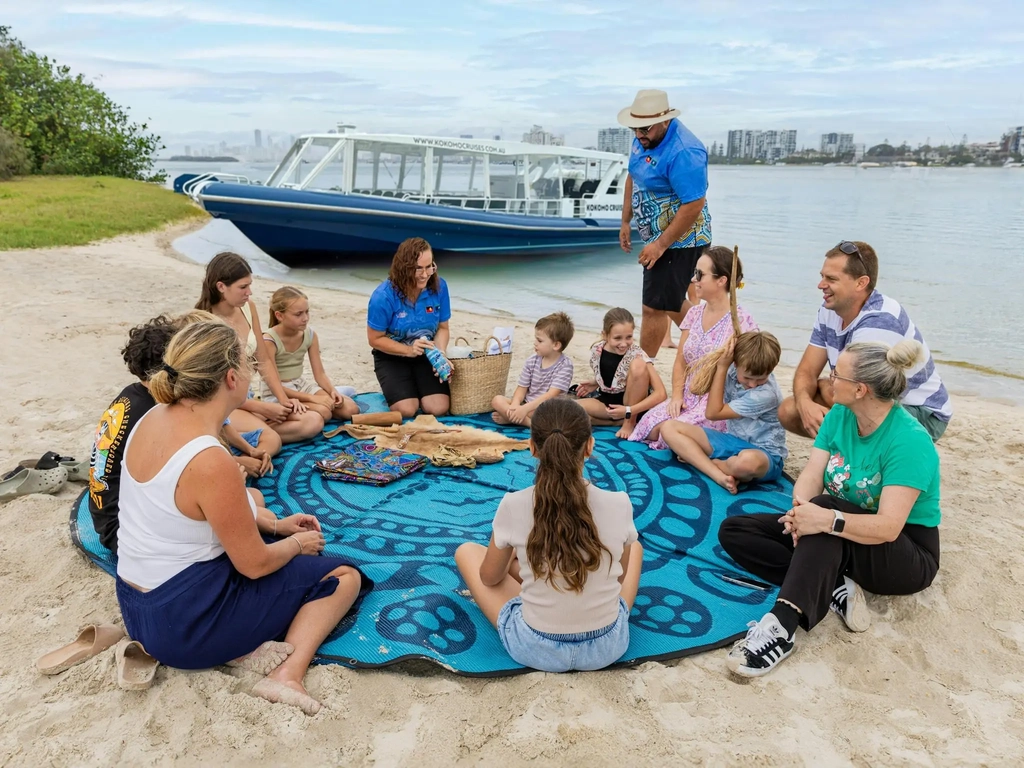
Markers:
(408, 313)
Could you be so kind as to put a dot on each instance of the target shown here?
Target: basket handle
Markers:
(496, 341)
(461, 338)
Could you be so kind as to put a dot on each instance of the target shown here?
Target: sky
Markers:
(202, 72)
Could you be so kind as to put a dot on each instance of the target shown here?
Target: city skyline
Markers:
(200, 75)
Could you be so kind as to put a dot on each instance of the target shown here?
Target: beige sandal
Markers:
(135, 668)
(94, 639)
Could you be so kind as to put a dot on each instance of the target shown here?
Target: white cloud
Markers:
(367, 61)
(203, 15)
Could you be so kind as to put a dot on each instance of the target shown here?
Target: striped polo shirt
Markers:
(883, 319)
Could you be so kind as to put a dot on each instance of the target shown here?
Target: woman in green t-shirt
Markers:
(872, 518)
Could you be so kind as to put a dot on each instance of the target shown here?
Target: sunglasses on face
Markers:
(643, 131)
(698, 275)
(427, 269)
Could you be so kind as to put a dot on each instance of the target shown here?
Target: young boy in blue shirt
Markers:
(744, 393)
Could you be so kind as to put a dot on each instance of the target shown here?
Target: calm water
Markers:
(949, 244)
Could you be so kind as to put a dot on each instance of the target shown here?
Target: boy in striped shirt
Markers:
(853, 311)
(546, 374)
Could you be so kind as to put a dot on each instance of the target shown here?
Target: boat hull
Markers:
(302, 228)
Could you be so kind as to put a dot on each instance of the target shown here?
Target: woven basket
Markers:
(476, 380)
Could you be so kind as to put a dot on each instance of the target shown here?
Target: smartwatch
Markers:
(629, 411)
(839, 523)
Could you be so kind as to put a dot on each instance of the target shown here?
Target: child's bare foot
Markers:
(497, 418)
(290, 693)
(728, 482)
(264, 659)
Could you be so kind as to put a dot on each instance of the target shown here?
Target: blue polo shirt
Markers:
(665, 177)
(404, 322)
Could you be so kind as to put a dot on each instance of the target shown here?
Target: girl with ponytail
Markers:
(562, 569)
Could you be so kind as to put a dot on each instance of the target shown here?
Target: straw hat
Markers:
(649, 107)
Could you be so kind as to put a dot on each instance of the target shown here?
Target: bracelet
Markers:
(299, 543)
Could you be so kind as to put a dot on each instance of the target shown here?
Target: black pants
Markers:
(809, 572)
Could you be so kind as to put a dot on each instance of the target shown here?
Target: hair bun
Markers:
(905, 354)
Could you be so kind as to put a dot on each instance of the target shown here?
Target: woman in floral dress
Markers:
(706, 327)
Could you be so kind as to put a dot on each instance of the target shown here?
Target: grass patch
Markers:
(50, 211)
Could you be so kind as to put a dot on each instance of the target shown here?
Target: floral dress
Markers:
(698, 343)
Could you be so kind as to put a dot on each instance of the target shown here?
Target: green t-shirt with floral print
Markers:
(899, 452)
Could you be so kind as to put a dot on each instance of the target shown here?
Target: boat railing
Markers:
(519, 205)
(194, 187)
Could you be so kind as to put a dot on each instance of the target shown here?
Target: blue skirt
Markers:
(210, 614)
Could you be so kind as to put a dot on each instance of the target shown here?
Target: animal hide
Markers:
(426, 436)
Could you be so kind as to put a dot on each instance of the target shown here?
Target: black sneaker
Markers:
(761, 650)
(849, 602)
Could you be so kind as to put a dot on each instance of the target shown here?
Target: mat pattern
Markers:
(405, 535)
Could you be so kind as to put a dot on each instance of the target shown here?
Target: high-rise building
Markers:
(188, 151)
(734, 145)
(537, 135)
(465, 135)
(616, 140)
(1016, 139)
(259, 138)
(768, 146)
(836, 143)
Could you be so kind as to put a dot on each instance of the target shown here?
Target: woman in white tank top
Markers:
(227, 287)
(198, 584)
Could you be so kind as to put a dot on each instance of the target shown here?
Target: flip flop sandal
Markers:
(23, 481)
(78, 471)
(135, 668)
(94, 639)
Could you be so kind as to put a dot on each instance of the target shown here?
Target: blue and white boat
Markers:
(342, 195)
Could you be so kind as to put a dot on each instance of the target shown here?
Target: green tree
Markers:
(14, 159)
(67, 125)
(882, 150)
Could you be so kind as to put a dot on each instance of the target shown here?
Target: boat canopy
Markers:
(496, 175)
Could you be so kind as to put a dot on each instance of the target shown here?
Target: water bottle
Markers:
(440, 363)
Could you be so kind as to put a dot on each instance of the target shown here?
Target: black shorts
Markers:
(406, 378)
(666, 282)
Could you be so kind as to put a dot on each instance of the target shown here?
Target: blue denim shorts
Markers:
(725, 446)
(252, 438)
(561, 653)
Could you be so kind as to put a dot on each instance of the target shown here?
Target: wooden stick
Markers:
(378, 419)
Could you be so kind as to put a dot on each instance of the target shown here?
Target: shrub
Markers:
(14, 157)
(67, 124)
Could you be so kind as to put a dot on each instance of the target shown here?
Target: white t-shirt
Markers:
(547, 609)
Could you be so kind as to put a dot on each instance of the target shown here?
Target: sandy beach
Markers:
(937, 680)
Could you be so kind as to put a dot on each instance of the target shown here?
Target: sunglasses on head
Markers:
(851, 249)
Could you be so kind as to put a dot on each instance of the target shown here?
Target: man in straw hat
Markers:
(665, 191)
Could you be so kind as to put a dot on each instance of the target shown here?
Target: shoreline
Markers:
(936, 680)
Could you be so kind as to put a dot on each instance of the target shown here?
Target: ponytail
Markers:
(564, 540)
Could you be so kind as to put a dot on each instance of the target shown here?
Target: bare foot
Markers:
(290, 693)
(728, 482)
(498, 419)
(264, 659)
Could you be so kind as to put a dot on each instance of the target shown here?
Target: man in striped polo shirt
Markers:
(853, 311)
